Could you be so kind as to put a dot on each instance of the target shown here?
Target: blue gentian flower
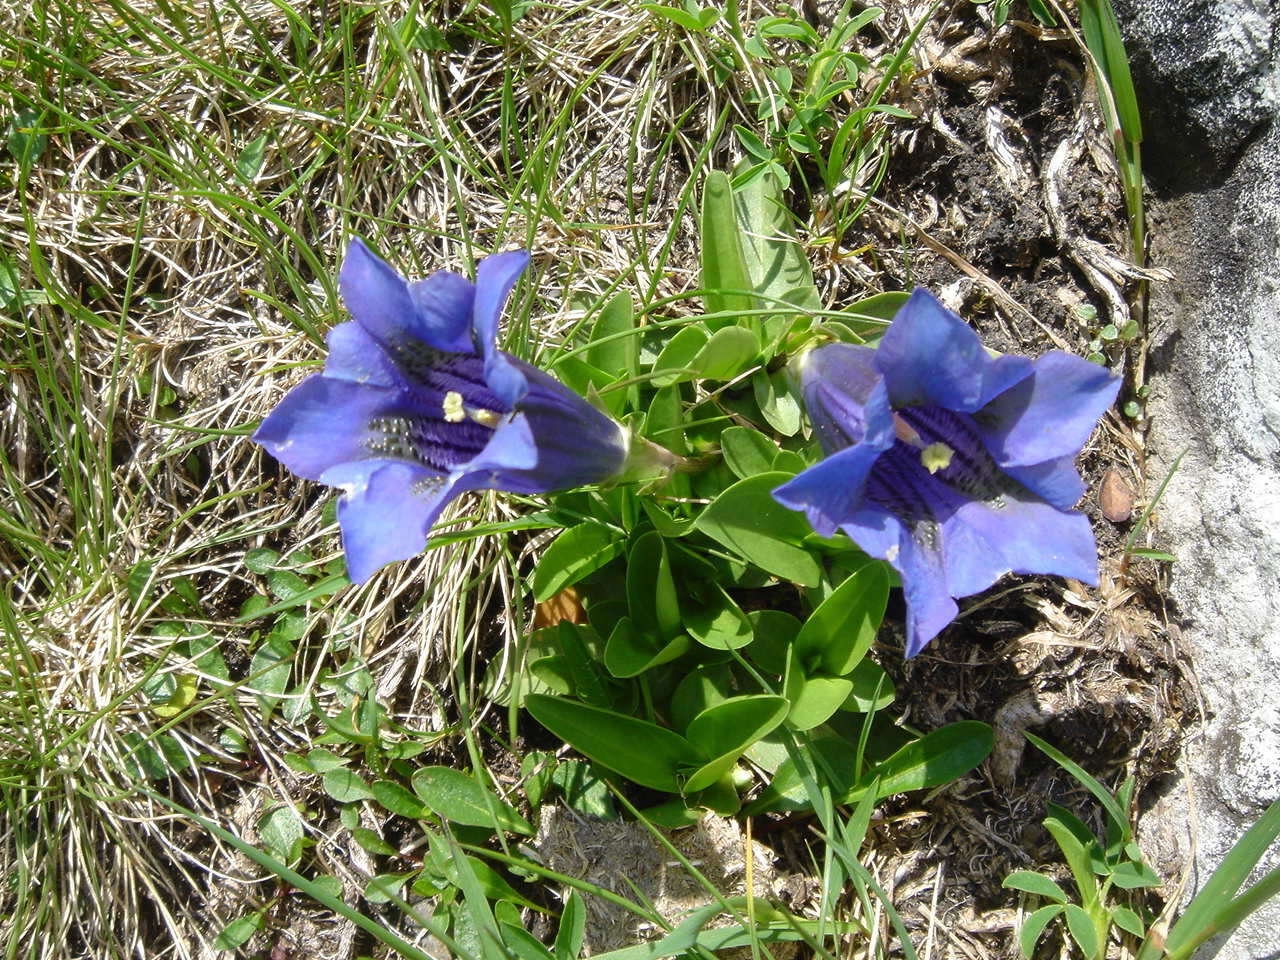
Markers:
(416, 405)
(954, 465)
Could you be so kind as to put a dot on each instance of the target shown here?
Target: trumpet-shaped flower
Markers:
(416, 404)
(953, 465)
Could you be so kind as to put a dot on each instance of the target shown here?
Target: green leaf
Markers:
(206, 654)
(615, 342)
(629, 653)
(787, 791)
(385, 887)
(370, 842)
(725, 281)
(1037, 883)
(702, 687)
(689, 21)
(722, 732)
(938, 757)
(1102, 36)
(718, 622)
(139, 582)
(752, 144)
(249, 163)
(720, 796)
(1147, 553)
(667, 526)
(184, 694)
(322, 761)
(26, 139)
(839, 632)
(651, 589)
(1083, 932)
(813, 699)
(774, 632)
(459, 798)
(1134, 876)
(872, 688)
(584, 789)
(237, 933)
(582, 377)
(1128, 921)
(642, 752)
(398, 800)
(1077, 856)
(346, 786)
(781, 410)
(747, 452)
(775, 261)
(285, 584)
(1041, 12)
(664, 422)
(574, 554)
(281, 833)
(675, 362)
(729, 352)
(746, 519)
(673, 814)
(573, 921)
(871, 314)
(269, 670)
(582, 652)
(520, 944)
(1033, 928)
(321, 589)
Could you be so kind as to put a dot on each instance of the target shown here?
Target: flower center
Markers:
(937, 462)
(445, 417)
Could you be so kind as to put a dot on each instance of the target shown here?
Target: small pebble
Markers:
(1115, 498)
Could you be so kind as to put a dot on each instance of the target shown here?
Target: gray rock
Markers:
(1212, 67)
(1216, 359)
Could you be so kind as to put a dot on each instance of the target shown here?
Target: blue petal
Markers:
(846, 397)
(930, 606)
(435, 311)
(386, 510)
(444, 302)
(1051, 413)
(495, 276)
(1003, 372)
(929, 356)
(512, 447)
(916, 553)
(356, 356)
(983, 541)
(554, 441)
(877, 531)
(322, 422)
(1054, 481)
(375, 294)
(830, 493)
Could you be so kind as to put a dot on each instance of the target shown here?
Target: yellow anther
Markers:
(936, 456)
(486, 418)
(453, 409)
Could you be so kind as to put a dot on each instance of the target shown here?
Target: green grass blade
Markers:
(1102, 36)
(1213, 905)
(1114, 810)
